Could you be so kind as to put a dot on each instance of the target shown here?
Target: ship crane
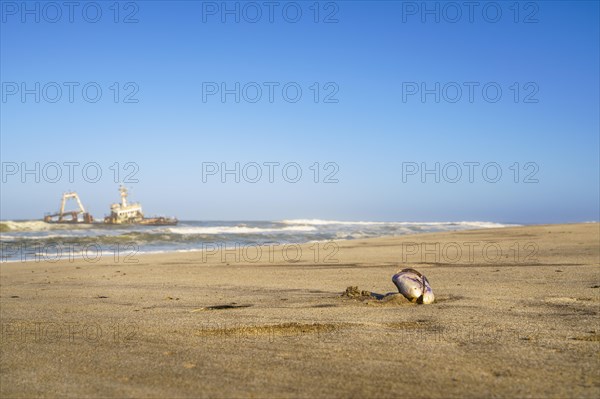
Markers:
(69, 216)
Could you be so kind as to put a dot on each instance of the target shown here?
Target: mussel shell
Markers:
(414, 286)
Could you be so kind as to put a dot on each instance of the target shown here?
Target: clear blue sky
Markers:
(370, 54)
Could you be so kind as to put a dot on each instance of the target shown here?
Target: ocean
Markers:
(35, 240)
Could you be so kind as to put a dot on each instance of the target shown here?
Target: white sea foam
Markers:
(37, 237)
(38, 225)
(320, 222)
(238, 230)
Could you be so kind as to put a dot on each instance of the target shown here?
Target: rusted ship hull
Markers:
(158, 221)
(69, 218)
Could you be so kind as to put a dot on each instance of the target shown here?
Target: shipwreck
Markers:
(75, 216)
(131, 213)
(123, 213)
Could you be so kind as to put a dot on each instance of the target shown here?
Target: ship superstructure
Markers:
(124, 212)
(131, 213)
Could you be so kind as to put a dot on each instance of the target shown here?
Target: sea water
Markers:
(37, 240)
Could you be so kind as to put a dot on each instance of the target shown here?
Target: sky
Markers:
(347, 110)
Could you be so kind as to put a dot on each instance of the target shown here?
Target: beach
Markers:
(515, 315)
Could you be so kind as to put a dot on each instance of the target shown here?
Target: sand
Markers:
(520, 323)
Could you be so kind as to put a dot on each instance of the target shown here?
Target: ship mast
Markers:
(123, 191)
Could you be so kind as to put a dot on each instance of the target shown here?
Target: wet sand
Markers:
(516, 315)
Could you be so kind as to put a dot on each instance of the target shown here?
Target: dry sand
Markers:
(523, 323)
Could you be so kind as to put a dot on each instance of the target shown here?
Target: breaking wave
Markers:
(238, 230)
(320, 222)
(37, 225)
(35, 235)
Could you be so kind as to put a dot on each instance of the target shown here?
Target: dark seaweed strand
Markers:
(413, 271)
